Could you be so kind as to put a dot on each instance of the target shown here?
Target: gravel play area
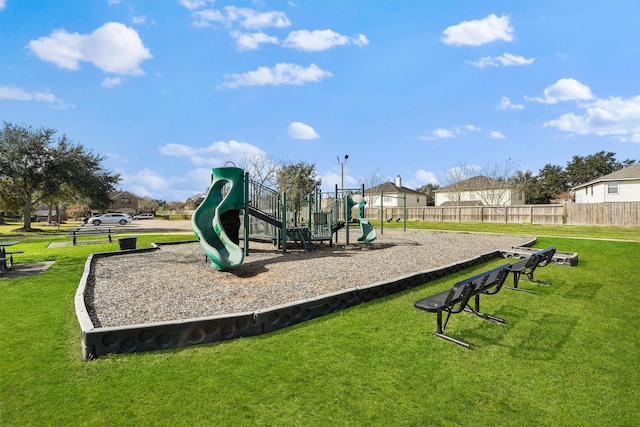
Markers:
(177, 282)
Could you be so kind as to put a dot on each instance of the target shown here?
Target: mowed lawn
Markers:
(568, 356)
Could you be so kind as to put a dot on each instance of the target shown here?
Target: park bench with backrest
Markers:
(529, 265)
(456, 299)
(90, 231)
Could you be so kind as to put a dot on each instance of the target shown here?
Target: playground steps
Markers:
(304, 235)
(337, 226)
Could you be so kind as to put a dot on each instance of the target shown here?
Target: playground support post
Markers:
(283, 231)
(246, 214)
(381, 212)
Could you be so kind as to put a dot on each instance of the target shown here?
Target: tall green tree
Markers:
(553, 181)
(584, 169)
(297, 180)
(430, 191)
(36, 166)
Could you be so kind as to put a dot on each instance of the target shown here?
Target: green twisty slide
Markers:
(368, 232)
(206, 220)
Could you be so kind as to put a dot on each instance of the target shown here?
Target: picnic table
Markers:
(3, 254)
(86, 230)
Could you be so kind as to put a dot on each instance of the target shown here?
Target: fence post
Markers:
(381, 212)
(531, 214)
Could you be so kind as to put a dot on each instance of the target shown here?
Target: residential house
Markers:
(479, 191)
(394, 195)
(620, 186)
(125, 202)
(42, 214)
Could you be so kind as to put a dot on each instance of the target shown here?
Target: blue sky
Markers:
(169, 89)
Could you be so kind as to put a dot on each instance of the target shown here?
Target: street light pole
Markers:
(346, 156)
(344, 199)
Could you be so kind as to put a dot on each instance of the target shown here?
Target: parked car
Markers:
(144, 216)
(110, 218)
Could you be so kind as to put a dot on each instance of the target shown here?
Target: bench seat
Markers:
(456, 299)
(527, 267)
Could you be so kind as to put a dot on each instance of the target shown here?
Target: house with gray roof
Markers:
(393, 195)
(620, 186)
(480, 191)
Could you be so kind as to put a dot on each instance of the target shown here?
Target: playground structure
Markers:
(216, 222)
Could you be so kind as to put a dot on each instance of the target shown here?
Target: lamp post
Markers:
(344, 198)
(346, 156)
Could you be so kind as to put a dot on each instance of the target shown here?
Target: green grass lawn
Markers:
(568, 356)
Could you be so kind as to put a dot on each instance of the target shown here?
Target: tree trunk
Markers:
(27, 215)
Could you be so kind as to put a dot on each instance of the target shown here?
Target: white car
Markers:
(144, 216)
(110, 218)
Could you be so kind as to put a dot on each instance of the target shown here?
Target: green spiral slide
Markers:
(206, 220)
(368, 232)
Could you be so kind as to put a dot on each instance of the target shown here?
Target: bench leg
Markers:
(516, 279)
(477, 312)
(453, 340)
(439, 322)
(531, 279)
(440, 331)
(74, 240)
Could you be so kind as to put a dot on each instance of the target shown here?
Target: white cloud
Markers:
(252, 41)
(113, 48)
(249, 18)
(215, 154)
(147, 179)
(149, 183)
(139, 19)
(604, 117)
(331, 179)
(425, 177)
(298, 130)
(245, 17)
(442, 133)
(205, 17)
(110, 82)
(193, 4)
(281, 74)
(319, 40)
(479, 32)
(504, 60)
(505, 104)
(564, 90)
(438, 134)
(3, 3)
(15, 93)
(497, 135)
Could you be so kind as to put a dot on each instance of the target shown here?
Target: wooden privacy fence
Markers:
(611, 214)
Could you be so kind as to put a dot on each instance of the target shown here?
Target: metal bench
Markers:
(90, 231)
(456, 299)
(528, 266)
